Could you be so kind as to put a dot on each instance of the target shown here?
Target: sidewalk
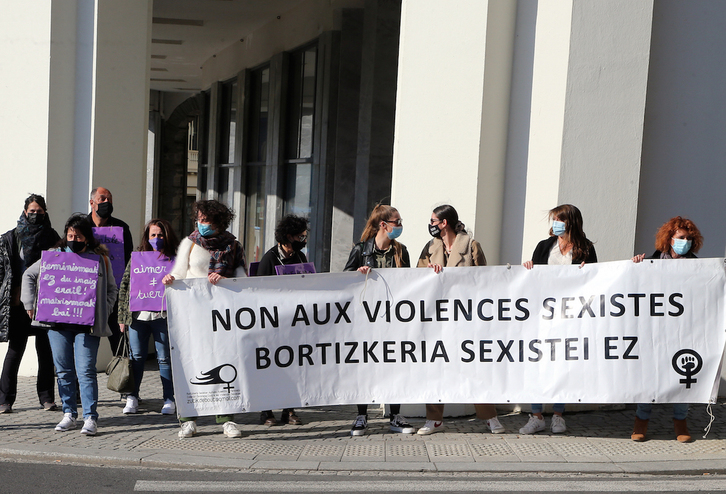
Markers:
(595, 442)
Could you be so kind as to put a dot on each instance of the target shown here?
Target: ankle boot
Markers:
(682, 435)
(639, 430)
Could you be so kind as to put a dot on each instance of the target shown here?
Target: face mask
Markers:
(681, 246)
(75, 246)
(434, 230)
(156, 243)
(35, 218)
(205, 229)
(558, 227)
(297, 245)
(105, 209)
(395, 232)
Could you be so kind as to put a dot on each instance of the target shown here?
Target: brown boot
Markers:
(682, 435)
(639, 430)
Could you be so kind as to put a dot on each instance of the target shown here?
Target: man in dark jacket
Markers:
(100, 215)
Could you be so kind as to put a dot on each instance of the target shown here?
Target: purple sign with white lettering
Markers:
(299, 268)
(146, 290)
(113, 238)
(67, 288)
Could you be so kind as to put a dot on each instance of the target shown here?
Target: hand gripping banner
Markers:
(614, 332)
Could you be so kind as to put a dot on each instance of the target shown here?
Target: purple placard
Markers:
(146, 290)
(113, 238)
(67, 288)
(298, 268)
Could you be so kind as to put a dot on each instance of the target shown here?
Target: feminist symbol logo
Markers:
(223, 374)
(687, 363)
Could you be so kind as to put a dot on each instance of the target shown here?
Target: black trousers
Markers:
(18, 333)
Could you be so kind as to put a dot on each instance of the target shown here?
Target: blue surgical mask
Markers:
(395, 232)
(205, 229)
(681, 246)
(156, 243)
(558, 227)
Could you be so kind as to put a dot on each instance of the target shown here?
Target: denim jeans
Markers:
(680, 411)
(139, 333)
(74, 356)
(557, 407)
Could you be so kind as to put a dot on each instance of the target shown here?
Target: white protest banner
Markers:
(615, 332)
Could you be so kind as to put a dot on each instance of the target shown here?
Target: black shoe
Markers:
(5, 408)
(267, 418)
(49, 406)
(289, 417)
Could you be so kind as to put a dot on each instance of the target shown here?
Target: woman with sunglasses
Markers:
(678, 238)
(378, 248)
(452, 246)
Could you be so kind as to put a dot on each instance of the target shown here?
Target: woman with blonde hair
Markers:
(678, 238)
(452, 246)
(378, 248)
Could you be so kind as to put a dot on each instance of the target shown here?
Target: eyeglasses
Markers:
(397, 222)
(301, 238)
(435, 221)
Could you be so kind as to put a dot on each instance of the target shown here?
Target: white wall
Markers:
(684, 146)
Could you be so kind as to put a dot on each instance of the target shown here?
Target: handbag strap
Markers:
(125, 342)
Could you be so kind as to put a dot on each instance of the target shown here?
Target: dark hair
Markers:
(35, 198)
(218, 214)
(290, 225)
(572, 218)
(666, 232)
(448, 213)
(171, 241)
(79, 222)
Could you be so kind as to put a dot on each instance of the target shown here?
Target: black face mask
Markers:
(298, 246)
(35, 218)
(434, 231)
(76, 246)
(105, 209)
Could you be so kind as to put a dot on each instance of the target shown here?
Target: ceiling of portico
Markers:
(186, 33)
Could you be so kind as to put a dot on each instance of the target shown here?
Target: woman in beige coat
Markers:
(452, 246)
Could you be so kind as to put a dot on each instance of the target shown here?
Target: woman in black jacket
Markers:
(379, 249)
(679, 238)
(19, 248)
(291, 235)
(567, 244)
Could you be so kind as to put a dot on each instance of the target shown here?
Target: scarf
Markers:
(227, 254)
(34, 239)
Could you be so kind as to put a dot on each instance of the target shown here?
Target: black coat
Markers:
(657, 253)
(271, 259)
(542, 252)
(363, 254)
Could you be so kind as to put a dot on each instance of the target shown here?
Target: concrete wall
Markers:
(684, 150)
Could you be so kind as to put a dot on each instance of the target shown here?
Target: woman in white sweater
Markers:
(214, 253)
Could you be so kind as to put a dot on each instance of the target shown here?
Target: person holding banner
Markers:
(378, 248)
(291, 235)
(452, 246)
(159, 238)
(678, 238)
(101, 203)
(209, 252)
(567, 244)
(20, 248)
(75, 346)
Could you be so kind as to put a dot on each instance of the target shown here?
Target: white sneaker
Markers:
(188, 429)
(495, 426)
(67, 423)
(169, 408)
(359, 426)
(558, 424)
(535, 424)
(132, 404)
(400, 424)
(230, 430)
(89, 427)
(431, 427)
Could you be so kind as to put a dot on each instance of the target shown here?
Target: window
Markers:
(225, 157)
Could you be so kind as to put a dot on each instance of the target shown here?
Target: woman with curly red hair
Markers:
(679, 238)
